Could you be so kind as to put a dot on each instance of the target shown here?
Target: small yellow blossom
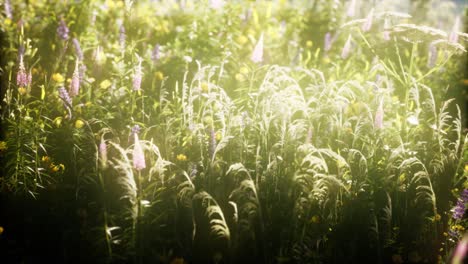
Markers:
(58, 121)
(242, 39)
(244, 70)
(105, 84)
(218, 136)
(22, 90)
(7, 21)
(240, 77)
(315, 219)
(58, 78)
(445, 234)
(309, 43)
(326, 60)
(181, 157)
(3, 146)
(437, 217)
(458, 228)
(45, 159)
(79, 123)
(159, 76)
(204, 87)
(466, 167)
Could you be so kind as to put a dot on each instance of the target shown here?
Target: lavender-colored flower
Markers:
(103, 152)
(122, 37)
(67, 101)
(257, 54)
(138, 155)
(464, 195)
(62, 30)
(137, 77)
(459, 210)
(8, 9)
(453, 35)
(216, 4)
(346, 48)
(328, 41)
(135, 130)
(78, 51)
(192, 168)
(75, 82)
(368, 23)
(432, 56)
(22, 78)
(379, 115)
(351, 9)
(156, 54)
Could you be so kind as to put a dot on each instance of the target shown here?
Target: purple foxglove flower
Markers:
(459, 210)
(368, 23)
(257, 54)
(103, 152)
(379, 115)
(138, 155)
(137, 77)
(78, 51)
(328, 42)
(464, 196)
(432, 56)
(155, 56)
(22, 78)
(67, 101)
(75, 82)
(453, 35)
(351, 9)
(62, 30)
(346, 48)
(8, 9)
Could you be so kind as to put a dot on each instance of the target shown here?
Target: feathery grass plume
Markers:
(62, 30)
(351, 9)
(7, 6)
(214, 214)
(22, 78)
(138, 155)
(453, 35)
(75, 82)
(346, 48)
(368, 22)
(328, 42)
(432, 55)
(137, 75)
(257, 54)
(78, 50)
(379, 115)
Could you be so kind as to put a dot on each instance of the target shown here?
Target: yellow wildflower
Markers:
(466, 167)
(22, 90)
(3, 146)
(437, 217)
(45, 159)
(218, 136)
(445, 234)
(7, 21)
(105, 84)
(309, 43)
(204, 87)
(240, 77)
(159, 76)
(58, 121)
(244, 70)
(58, 78)
(242, 39)
(79, 123)
(181, 157)
(315, 219)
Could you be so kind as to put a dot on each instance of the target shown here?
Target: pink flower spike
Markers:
(137, 77)
(453, 36)
(138, 155)
(351, 9)
(257, 54)
(379, 115)
(75, 82)
(346, 48)
(368, 23)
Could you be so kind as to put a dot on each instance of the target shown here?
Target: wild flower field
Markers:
(214, 131)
